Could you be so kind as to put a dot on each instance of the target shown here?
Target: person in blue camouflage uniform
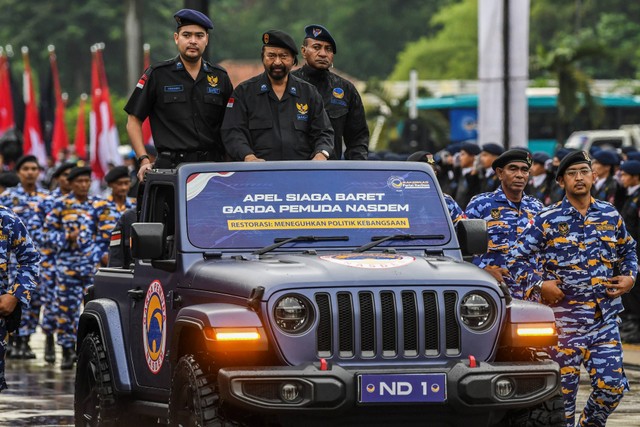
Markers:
(14, 239)
(455, 212)
(488, 179)
(507, 211)
(28, 170)
(78, 230)
(588, 261)
(119, 181)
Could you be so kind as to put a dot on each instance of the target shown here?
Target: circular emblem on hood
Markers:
(371, 261)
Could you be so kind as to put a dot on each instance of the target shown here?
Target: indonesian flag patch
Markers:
(116, 238)
(142, 81)
(230, 103)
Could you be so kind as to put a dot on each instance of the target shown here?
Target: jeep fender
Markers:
(103, 316)
(206, 318)
(537, 318)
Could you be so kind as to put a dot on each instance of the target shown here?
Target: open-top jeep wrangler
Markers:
(308, 293)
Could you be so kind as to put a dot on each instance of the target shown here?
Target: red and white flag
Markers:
(60, 139)
(7, 120)
(103, 139)
(80, 140)
(33, 142)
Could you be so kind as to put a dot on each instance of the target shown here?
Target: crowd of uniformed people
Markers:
(562, 228)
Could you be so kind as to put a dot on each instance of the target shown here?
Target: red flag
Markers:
(60, 140)
(80, 141)
(33, 142)
(7, 120)
(147, 137)
(104, 140)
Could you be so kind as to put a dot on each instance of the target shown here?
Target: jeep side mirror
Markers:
(472, 236)
(147, 240)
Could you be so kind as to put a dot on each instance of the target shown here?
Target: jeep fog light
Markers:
(290, 392)
(293, 314)
(504, 388)
(477, 311)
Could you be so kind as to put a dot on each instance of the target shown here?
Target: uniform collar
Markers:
(264, 86)
(568, 208)
(204, 65)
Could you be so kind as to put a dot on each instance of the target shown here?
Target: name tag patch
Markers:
(174, 88)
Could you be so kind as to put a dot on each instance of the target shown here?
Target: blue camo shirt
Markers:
(580, 251)
(15, 239)
(455, 211)
(505, 222)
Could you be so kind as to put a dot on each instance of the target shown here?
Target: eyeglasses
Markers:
(575, 172)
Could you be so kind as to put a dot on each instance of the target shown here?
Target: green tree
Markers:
(452, 53)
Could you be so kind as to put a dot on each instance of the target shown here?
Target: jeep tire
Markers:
(95, 402)
(193, 401)
(549, 413)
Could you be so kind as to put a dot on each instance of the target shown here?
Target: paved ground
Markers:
(42, 395)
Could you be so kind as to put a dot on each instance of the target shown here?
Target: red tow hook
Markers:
(324, 365)
(472, 362)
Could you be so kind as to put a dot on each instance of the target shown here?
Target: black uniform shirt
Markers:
(346, 112)
(295, 127)
(185, 114)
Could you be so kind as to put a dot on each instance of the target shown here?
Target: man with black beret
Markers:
(119, 181)
(507, 211)
(466, 174)
(488, 179)
(604, 165)
(540, 178)
(275, 115)
(184, 99)
(630, 211)
(60, 176)
(588, 260)
(341, 98)
(78, 228)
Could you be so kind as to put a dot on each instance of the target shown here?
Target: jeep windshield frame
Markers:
(238, 207)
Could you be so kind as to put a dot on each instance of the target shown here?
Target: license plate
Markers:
(402, 388)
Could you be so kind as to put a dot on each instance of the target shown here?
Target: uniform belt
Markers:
(185, 156)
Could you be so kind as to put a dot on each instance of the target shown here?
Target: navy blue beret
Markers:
(632, 167)
(78, 171)
(9, 179)
(571, 159)
(633, 155)
(454, 147)
(62, 168)
(318, 32)
(513, 155)
(277, 38)
(493, 148)
(594, 149)
(28, 158)
(540, 157)
(116, 173)
(628, 149)
(471, 148)
(562, 152)
(422, 156)
(607, 157)
(191, 17)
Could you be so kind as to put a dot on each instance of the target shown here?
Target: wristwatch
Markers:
(141, 158)
(324, 153)
(537, 287)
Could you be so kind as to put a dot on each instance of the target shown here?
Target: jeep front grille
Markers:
(410, 323)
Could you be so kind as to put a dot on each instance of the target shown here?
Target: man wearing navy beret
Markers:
(488, 179)
(466, 174)
(341, 98)
(184, 99)
(604, 164)
(275, 115)
(630, 211)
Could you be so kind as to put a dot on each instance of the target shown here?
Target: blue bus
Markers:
(462, 113)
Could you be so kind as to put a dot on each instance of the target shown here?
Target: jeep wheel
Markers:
(193, 401)
(548, 413)
(94, 400)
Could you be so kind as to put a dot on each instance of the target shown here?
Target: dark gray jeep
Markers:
(308, 293)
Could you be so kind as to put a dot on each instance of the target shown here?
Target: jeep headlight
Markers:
(477, 311)
(293, 314)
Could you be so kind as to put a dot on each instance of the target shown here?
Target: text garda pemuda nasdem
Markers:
(258, 203)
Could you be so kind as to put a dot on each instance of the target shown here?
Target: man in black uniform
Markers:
(185, 100)
(630, 211)
(341, 98)
(274, 115)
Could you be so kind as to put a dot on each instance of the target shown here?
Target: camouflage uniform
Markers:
(76, 262)
(582, 252)
(455, 211)
(505, 222)
(15, 239)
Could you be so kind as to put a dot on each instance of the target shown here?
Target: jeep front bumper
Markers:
(323, 390)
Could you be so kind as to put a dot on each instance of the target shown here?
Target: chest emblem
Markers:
(495, 213)
(338, 93)
(213, 81)
(563, 228)
(302, 108)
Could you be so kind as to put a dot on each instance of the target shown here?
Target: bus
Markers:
(462, 114)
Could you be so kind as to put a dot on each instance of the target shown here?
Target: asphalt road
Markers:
(42, 395)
